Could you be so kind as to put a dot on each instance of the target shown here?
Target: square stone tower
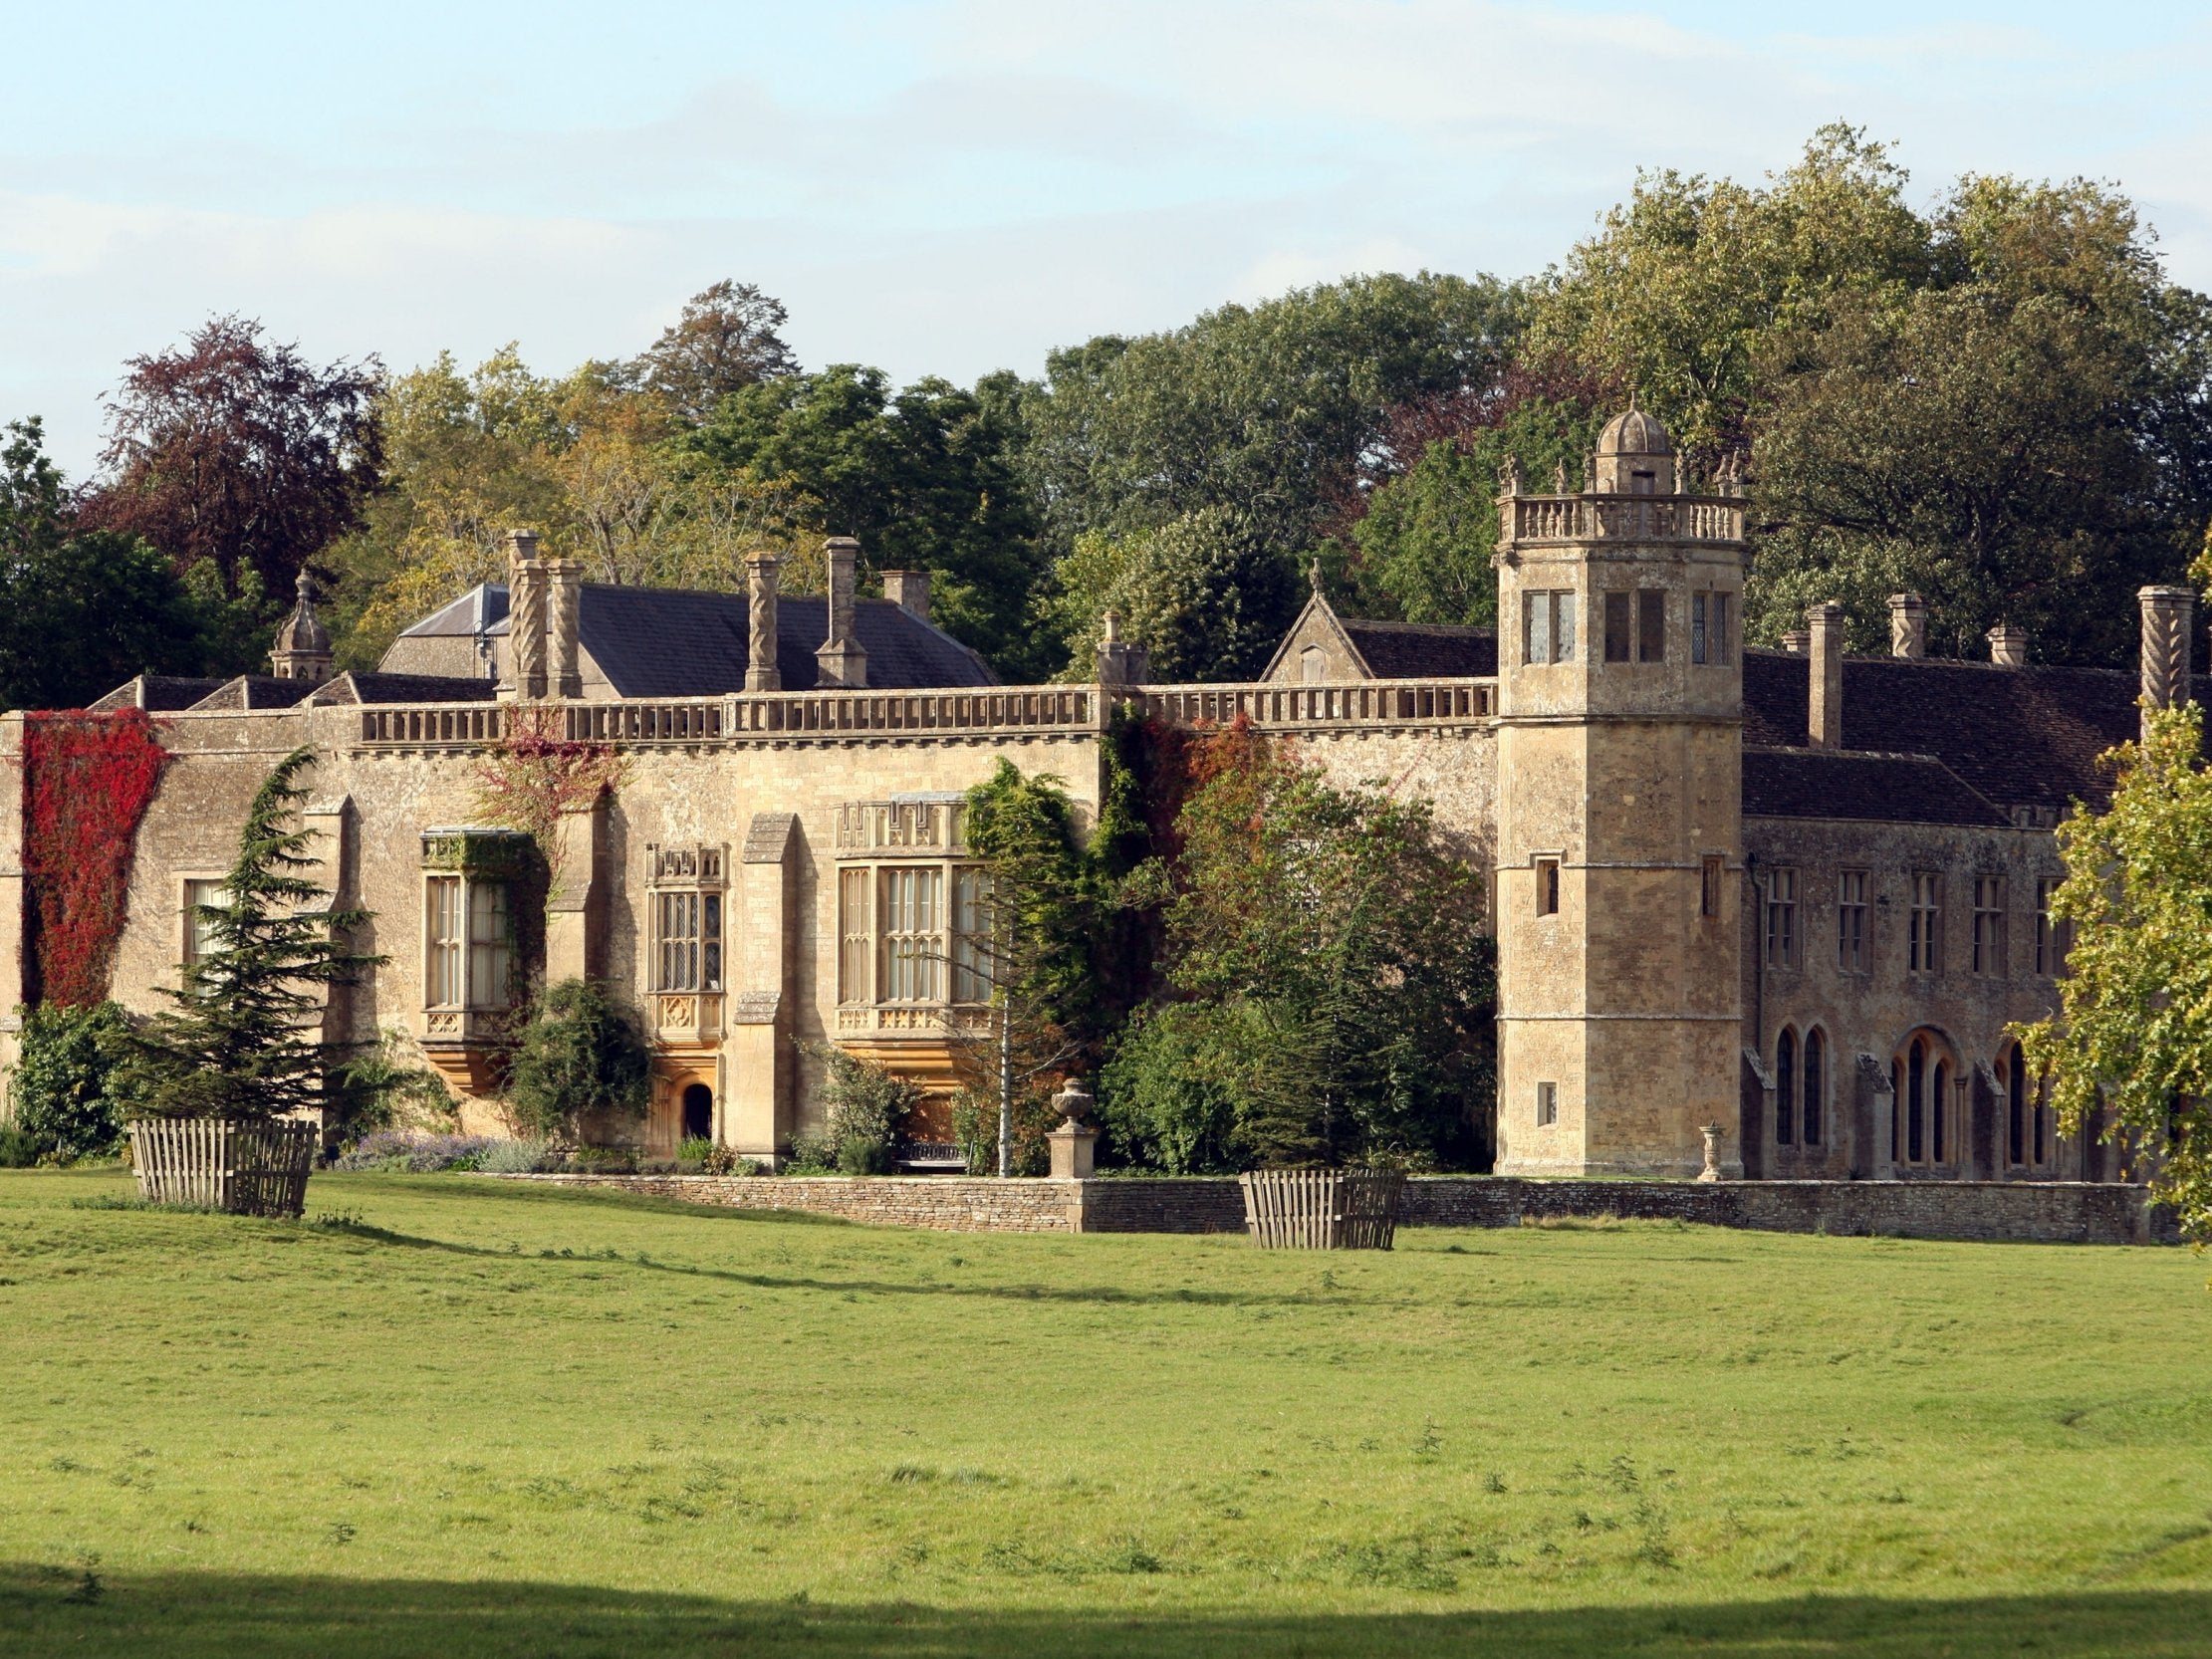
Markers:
(1619, 817)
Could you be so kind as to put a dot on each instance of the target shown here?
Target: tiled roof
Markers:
(677, 642)
(1841, 784)
(1422, 651)
(2021, 737)
(360, 687)
(159, 692)
(256, 691)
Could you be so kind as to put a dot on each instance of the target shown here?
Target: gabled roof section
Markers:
(2019, 737)
(158, 693)
(681, 642)
(256, 691)
(1390, 651)
(356, 686)
(1840, 784)
(1424, 650)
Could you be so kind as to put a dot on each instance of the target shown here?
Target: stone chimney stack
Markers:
(303, 643)
(565, 613)
(1121, 662)
(1908, 625)
(1797, 643)
(1825, 725)
(761, 672)
(2008, 646)
(526, 618)
(2165, 650)
(909, 591)
(841, 659)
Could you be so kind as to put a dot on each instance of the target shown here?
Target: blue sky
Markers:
(950, 186)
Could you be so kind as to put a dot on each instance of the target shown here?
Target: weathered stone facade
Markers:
(1788, 896)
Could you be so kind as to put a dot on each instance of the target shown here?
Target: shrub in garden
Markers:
(604, 1160)
(378, 1089)
(863, 1106)
(61, 1086)
(578, 1055)
(520, 1157)
(17, 1150)
(400, 1152)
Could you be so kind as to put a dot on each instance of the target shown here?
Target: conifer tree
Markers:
(242, 1040)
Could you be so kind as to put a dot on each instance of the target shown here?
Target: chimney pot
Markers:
(909, 591)
(2008, 646)
(1825, 707)
(564, 620)
(525, 617)
(1908, 625)
(1120, 661)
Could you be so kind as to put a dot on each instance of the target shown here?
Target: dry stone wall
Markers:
(2020, 1212)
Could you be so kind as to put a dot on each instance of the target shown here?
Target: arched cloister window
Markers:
(1939, 1100)
(1926, 1074)
(2014, 1084)
(1813, 1098)
(1785, 1087)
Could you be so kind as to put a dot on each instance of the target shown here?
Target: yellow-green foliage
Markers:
(483, 1418)
(2134, 1028)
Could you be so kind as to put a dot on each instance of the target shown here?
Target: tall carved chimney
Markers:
(526, 618)
(564, 606)
(909, 591)
(1908, 625)
(761, 672)
(841, 660)
(2165, 649)
(1121, 662)
(2008, 646)
(1825, 725)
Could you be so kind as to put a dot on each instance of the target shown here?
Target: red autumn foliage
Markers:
(88, 779)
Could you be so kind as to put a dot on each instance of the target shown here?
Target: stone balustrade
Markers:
(1583, 518)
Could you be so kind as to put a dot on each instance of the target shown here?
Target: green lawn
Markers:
(473, 1417)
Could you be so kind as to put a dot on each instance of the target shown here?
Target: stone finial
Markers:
(1509, 477)
(1711, 1171)
(1120, 661)
(303, 643)
(1313, 578)
(1825, 723)
(2008, 646)
(841, 661)
(2166, 616)
(564, 626)
(761, 671)
(1908, 625)
(909, 591)
(1074, 1102)
(526, 618)
(1559, 478)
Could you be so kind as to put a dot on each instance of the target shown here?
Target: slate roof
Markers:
(677, 642)
(2019, 737)
(256, 691)
(1841, 784)
(359, 687)
(1422, 651)
(158, 693)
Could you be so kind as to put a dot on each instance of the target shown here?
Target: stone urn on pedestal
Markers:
(1072, 1141)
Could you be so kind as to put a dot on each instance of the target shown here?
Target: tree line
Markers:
(1996, 399)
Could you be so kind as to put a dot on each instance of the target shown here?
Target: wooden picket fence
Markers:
(249, 1169)
(1322, 1209)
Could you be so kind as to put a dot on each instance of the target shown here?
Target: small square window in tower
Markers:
(1650, 625)
(1547, 627)
(1547, 1104)
(1546, 887)
(1617, 627)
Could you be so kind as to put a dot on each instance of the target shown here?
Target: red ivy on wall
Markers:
(87, 781)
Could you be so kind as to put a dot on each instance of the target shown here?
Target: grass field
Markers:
(467, 1417)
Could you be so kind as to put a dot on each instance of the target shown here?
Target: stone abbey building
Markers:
(1794, 894)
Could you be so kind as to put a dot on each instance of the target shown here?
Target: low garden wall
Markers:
(2040, 1212)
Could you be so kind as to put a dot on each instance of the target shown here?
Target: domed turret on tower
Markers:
(1634, 456)
(303, 645)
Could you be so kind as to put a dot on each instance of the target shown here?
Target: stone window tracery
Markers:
(912, 930)
(1989, 926)
(1924, 924)
(1782, 918)
(1851, 922)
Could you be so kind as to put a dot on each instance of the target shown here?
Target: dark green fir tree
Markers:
(244, 1039)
